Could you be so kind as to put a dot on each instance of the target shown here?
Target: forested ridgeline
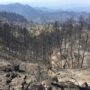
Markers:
(12, 17)
(58, 45)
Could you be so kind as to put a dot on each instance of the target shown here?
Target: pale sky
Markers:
(49, 3)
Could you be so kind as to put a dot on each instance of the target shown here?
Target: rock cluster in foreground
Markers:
(28, 76)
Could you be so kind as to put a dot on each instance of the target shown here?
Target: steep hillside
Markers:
(31, 61)
(44, 56)
(56, 45)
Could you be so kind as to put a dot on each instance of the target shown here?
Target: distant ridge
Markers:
(12, 17)
(41, 14)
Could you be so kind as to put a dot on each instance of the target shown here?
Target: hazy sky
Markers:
(50, 3)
